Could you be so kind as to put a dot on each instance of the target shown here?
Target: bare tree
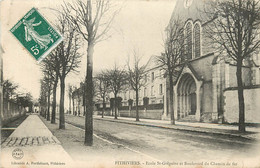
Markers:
(49, 76)
(235, 31)
(136, 75)
(117, 79)
(70, 91)
(73, 96)
(51, 65)
(79, 95)
(93, 20)
(174, 46)
(43, 97)
(102, 84)
(68, 58)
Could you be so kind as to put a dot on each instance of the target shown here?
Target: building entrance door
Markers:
(187, 100)
(193, 104)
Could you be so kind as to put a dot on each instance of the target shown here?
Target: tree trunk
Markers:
(79, 106)
(136, 107)
(115, 106)
(73, 106)
(89, 97)
(70, 104)
(241, 103)
(84, 100)
(53, 113)
(171, 110)
(62, 92)
(103, 109)
(49, 104)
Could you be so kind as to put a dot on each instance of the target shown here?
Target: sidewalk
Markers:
(253, 133)
(33, 145)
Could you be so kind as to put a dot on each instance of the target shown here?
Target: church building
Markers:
(205, 88)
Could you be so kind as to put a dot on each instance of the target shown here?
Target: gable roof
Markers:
(193, 12)
(152, 63)
(188, 65)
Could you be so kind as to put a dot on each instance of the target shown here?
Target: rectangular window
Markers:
(152, 78)
(145, 92)
(151, 90)
(124, 95)
(161, 89)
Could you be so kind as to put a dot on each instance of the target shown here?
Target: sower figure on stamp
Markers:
(30, 33)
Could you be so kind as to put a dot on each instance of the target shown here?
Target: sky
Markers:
(139, 25)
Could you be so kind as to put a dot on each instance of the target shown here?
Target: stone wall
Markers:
(203, 66)
(245, 76)
(11, 111)
(148, 114)
(252, 105)
(206, 99)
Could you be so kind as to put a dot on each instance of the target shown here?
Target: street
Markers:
(165, 144)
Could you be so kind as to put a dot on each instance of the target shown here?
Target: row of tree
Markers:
(117, 79)
(63, 60)
(114, 80)
(10, 93)
(90, 20)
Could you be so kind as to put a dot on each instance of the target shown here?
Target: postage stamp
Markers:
(36, 34)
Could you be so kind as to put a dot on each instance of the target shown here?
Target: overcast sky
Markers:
(140, 24)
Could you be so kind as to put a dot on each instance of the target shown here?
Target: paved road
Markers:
(166, 144)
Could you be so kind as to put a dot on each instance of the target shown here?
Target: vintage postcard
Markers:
(130, 83)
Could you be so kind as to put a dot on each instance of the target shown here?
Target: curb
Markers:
(181, 129)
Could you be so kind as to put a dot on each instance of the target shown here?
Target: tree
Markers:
(25, 101)
(73, 96)
(174, 46)
(117, 79)
(28, 100)
(79, 95)
(136, 75)
(235, 31)
(49, 83)
(102, 84)
(9, 89)
(51, 66)
(68, 57)
(70, 91)
(43, 98)
(93, 21)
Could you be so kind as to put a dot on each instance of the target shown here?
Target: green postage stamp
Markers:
(36, 34)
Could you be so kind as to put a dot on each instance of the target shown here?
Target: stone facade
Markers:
(153, 90)
(154, 86)
(252, 105)
(200, 88)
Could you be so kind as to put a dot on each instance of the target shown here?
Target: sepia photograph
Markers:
(130, 83)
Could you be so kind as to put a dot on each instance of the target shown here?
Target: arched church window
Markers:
(197, 40)
(189, 40)
(182, 59)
